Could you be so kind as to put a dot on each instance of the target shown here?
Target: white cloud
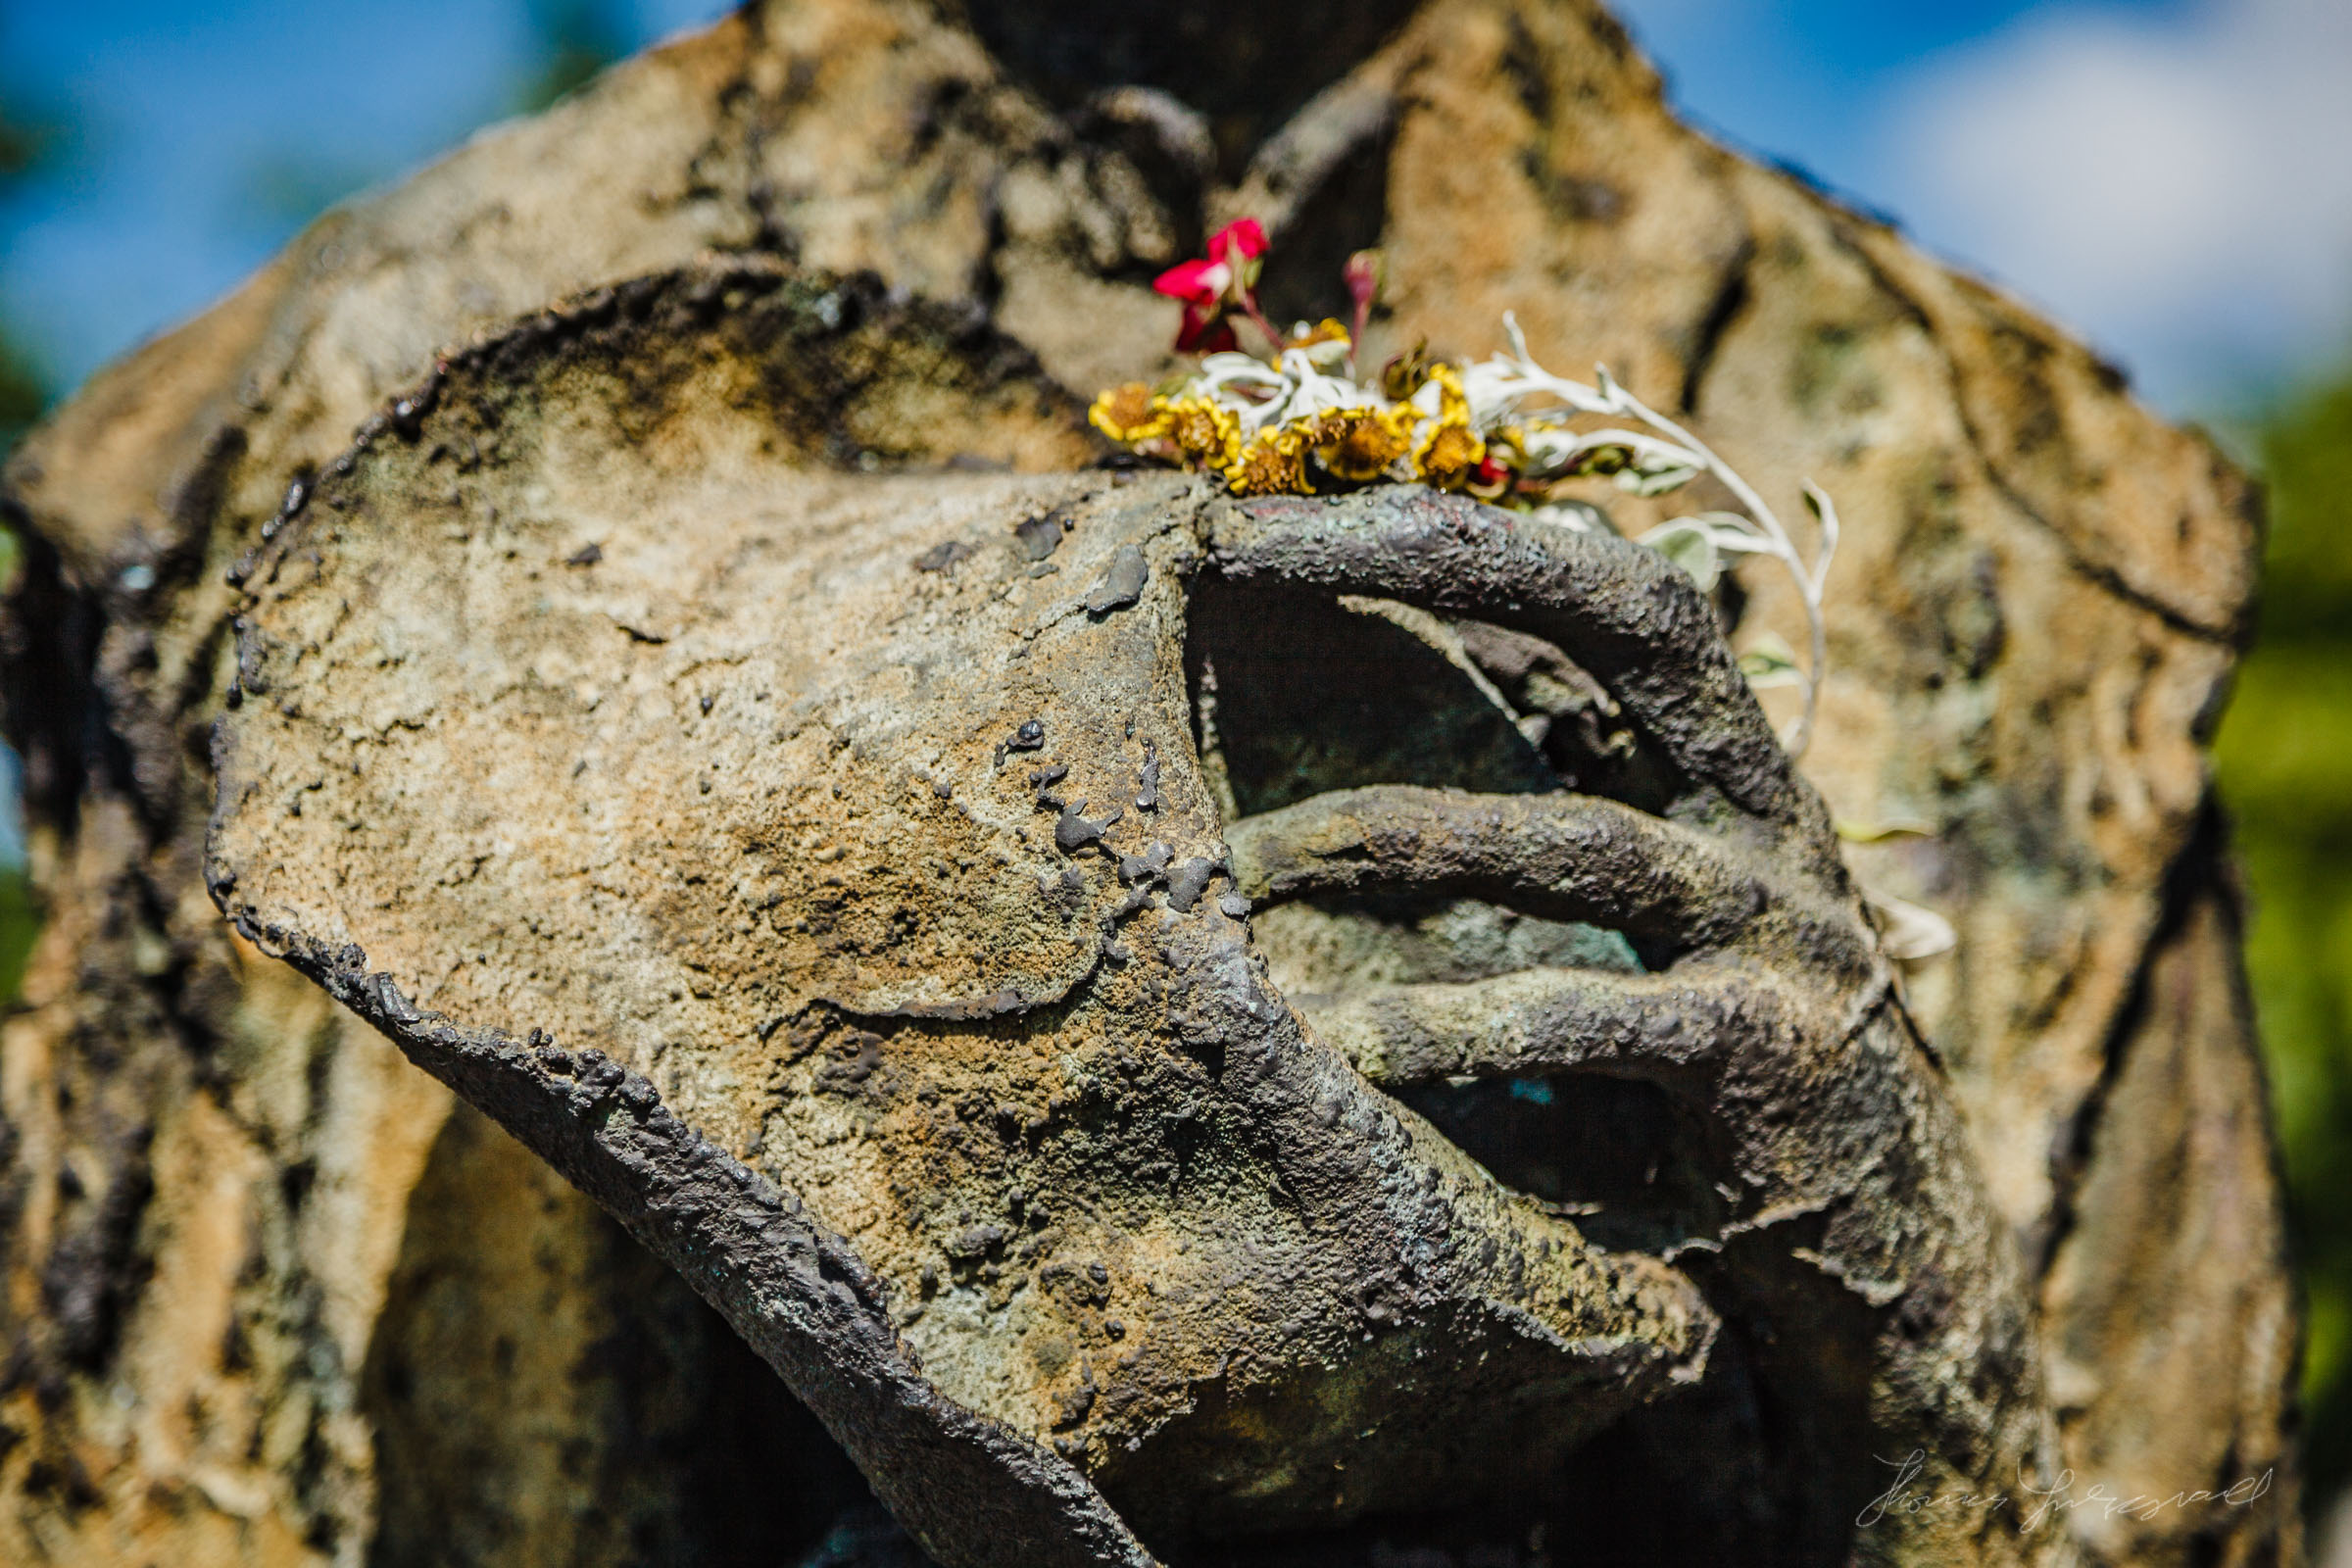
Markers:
(2179, 188)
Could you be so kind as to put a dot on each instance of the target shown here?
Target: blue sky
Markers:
(2171, 180)
(2154, 172)
(203, 136)
(2168, 176)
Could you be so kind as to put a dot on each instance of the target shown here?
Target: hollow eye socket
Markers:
(1298, 693)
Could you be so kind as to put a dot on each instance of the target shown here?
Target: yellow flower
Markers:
(1206, 432)
(1129, 414)
(1448, 454)
(1359, 444)
(1273, 464)
(1403, 375)
(1453, 404)
(1448, 449)
(1326, 345)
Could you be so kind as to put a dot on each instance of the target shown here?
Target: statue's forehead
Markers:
(649, 761)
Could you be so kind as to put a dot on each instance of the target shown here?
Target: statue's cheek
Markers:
(991, 790)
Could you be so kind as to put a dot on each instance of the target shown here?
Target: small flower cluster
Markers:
(1296, 427)
(1503, 429)
(1301, 423)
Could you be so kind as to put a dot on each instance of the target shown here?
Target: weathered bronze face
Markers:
(927, 905)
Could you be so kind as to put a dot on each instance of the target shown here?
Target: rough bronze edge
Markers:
(697, 293)
(969, 1490)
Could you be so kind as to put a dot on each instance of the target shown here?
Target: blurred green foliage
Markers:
(2285, 762)
(24, 143)
(19, 924)
(23, 393)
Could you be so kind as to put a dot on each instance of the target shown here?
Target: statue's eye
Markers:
(1296, 693)
(1299, 692)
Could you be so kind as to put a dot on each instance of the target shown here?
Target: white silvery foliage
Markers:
(1646, 454)
(1263, 395)
(1663, 457)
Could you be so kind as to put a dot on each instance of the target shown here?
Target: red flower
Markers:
(1211, 287)
(1206, 330)
(1226, 276)
(1196, 284)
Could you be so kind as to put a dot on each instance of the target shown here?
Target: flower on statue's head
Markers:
(1491, 479)
(1448, 451)
(1272, 464)
(1326, 345)
(1211, 287)
(1298, 422)
(1450, 455)
(1206, 434)
(1229, 272)
(1403, 375)
(1440, 395)
(1129, 414)
(1359, 444)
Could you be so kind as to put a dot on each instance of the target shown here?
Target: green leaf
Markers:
(1691, 546)
(1771, 662)
(1645, 482)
